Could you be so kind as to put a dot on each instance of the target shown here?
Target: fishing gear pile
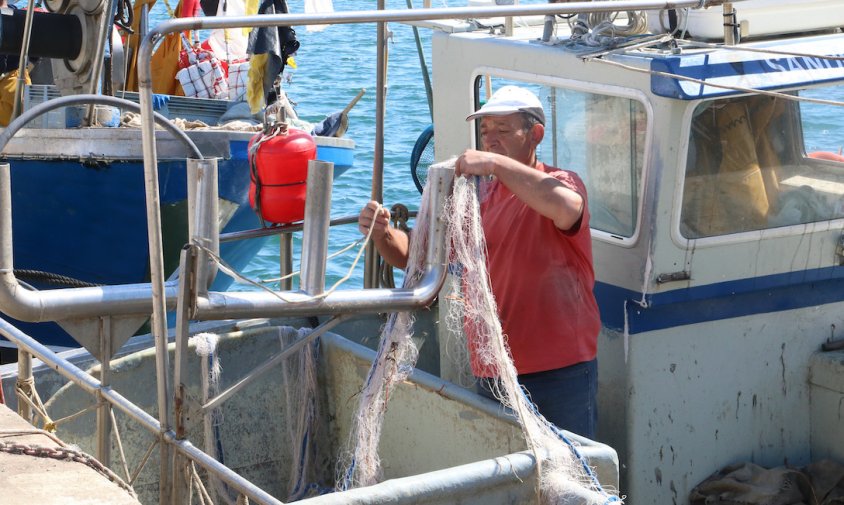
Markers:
(563, 472)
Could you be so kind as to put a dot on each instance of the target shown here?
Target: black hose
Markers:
(51, 278)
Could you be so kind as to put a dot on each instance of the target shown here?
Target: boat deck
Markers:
(43, 479)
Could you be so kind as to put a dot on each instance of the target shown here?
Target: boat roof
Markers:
(707, 72)
(689, 69)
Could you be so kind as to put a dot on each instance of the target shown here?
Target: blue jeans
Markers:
(565, 396)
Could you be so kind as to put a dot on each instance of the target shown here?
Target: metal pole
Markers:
(370, 268)
(156, 258)
(203, 217)
(104, 408)
(24, 382)
(106, 20)
(188, 266)
(423, 65)
(285, 260)
(406, 15)
(508, 23)
(23, 61)
(731, 26)
(317, 224)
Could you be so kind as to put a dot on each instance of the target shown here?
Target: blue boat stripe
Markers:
(776, 72)
(723, 300)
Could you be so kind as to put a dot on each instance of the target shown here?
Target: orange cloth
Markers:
(165, 59)
(7, 95)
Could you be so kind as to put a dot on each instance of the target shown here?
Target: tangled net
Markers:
(563, 472)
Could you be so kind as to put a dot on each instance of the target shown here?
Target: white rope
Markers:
(25, 390)
(205, 345)
(330, 256)
(143, 461)
(202, 493)
(119, 441)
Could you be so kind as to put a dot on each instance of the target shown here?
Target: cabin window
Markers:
(752, 165)
(602, 139)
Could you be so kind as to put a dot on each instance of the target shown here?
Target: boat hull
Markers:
(79, 209)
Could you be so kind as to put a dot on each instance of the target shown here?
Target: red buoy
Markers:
(279, 166)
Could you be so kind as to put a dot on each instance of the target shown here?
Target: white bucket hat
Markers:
(510, 99)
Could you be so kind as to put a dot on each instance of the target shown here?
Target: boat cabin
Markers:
(716, 192)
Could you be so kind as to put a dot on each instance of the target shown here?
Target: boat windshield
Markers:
(600, 137)
(762, 162)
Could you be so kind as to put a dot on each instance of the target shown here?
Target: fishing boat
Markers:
(704, 134)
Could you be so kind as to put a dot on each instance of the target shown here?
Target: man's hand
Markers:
(392, 243)
(474, 162)
(375, 216)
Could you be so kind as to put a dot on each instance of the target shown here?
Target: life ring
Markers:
(826, 155)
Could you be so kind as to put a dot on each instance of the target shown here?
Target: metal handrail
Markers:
(92, 386)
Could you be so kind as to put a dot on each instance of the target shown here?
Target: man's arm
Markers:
(392, 244)
(540, 191)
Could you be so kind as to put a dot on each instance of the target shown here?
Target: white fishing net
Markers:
(563, 472)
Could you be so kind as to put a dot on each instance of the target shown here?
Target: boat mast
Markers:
(370, 267)
(107, 18)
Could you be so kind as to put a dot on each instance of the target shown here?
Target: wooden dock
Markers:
(35, 469)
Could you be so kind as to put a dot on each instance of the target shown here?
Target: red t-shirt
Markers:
(542, 280)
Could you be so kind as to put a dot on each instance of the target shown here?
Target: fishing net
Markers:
(563, 472)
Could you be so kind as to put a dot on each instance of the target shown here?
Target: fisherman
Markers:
(539, 256)
(8, 76)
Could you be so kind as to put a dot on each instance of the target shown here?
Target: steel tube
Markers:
(52, 305)
(23, 380)
(203, 217)
(442, 180)
(104, 407)
(231, 305)
(156, 261)
(187, 268)
(318, 220)
(93, 387)
(406, 15)
(371, 259)
(106, 20)
(282, 229)
(285, 260)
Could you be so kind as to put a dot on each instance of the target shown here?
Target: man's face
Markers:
(508, 135)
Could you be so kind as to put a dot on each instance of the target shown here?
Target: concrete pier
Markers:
(42, 478)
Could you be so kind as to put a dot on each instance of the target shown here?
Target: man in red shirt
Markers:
(536, 224)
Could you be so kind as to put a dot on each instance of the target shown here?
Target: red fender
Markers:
(826, 155)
